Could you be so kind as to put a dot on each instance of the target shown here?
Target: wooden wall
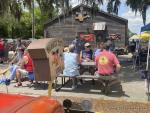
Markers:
(67, 27)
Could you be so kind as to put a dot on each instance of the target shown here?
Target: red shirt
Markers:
(106, 61)
(29, 65)
(1, 45)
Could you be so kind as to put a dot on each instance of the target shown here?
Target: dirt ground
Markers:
(133, 87)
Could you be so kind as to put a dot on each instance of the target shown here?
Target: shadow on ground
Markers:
(128, 74)
(88, 88)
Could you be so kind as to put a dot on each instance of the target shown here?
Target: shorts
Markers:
(23, 72)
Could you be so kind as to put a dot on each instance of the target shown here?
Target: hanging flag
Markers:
(87, 37)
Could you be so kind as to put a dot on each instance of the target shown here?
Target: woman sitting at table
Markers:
(71, 62)
(86, 55)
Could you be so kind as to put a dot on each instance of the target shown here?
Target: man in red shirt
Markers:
(26, 68)
(107, 64)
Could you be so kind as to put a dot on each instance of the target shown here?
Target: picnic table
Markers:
(89, 64)
(83, 76)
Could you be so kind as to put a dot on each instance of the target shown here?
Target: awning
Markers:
(99, 26)
(145, 28)
(87, 37)
(145, 35)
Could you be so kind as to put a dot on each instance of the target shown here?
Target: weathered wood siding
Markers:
(67, 27)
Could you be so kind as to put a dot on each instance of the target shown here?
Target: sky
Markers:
(135, 22)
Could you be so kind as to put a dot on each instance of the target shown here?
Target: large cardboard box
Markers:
(47, 57)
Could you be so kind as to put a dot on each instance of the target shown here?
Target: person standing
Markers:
(98, 49)
(78, 45)
(20, 50)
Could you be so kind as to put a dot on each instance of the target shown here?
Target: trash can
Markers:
(42, 52)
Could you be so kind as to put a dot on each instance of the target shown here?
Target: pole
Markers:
(49, 88)
(148, 55)
(147, 65)
(33, 21)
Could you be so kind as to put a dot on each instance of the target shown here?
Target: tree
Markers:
(19, 22)
(16, 7)
(139, 5)
(3, 6)
(113, 6)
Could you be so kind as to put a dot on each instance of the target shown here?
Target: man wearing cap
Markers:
(107, 64)
(86, 55)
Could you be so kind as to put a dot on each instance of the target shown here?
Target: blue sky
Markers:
(134, 21)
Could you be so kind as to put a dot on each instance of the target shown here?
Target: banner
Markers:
(87, 37)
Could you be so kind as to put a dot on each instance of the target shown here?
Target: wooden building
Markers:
(84, 19)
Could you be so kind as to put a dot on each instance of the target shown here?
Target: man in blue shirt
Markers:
(98, 49)
(79, 45)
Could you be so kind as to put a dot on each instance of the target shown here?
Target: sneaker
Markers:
(7, 82)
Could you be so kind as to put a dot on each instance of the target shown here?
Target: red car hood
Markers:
(26, 104)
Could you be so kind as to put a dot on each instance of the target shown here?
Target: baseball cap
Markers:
(87, 44)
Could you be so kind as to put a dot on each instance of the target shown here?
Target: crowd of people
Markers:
(139, 52)
(9, 47)
(20, 66)
(107, 64)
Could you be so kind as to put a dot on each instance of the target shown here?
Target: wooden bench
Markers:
(64, 82)
(92, 77)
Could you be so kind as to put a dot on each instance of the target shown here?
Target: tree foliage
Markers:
(139, 5)
(113, 6)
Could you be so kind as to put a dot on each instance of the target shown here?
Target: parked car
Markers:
(12, 103)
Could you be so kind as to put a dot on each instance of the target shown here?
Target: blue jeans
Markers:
(31, 76)
(12, 69)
